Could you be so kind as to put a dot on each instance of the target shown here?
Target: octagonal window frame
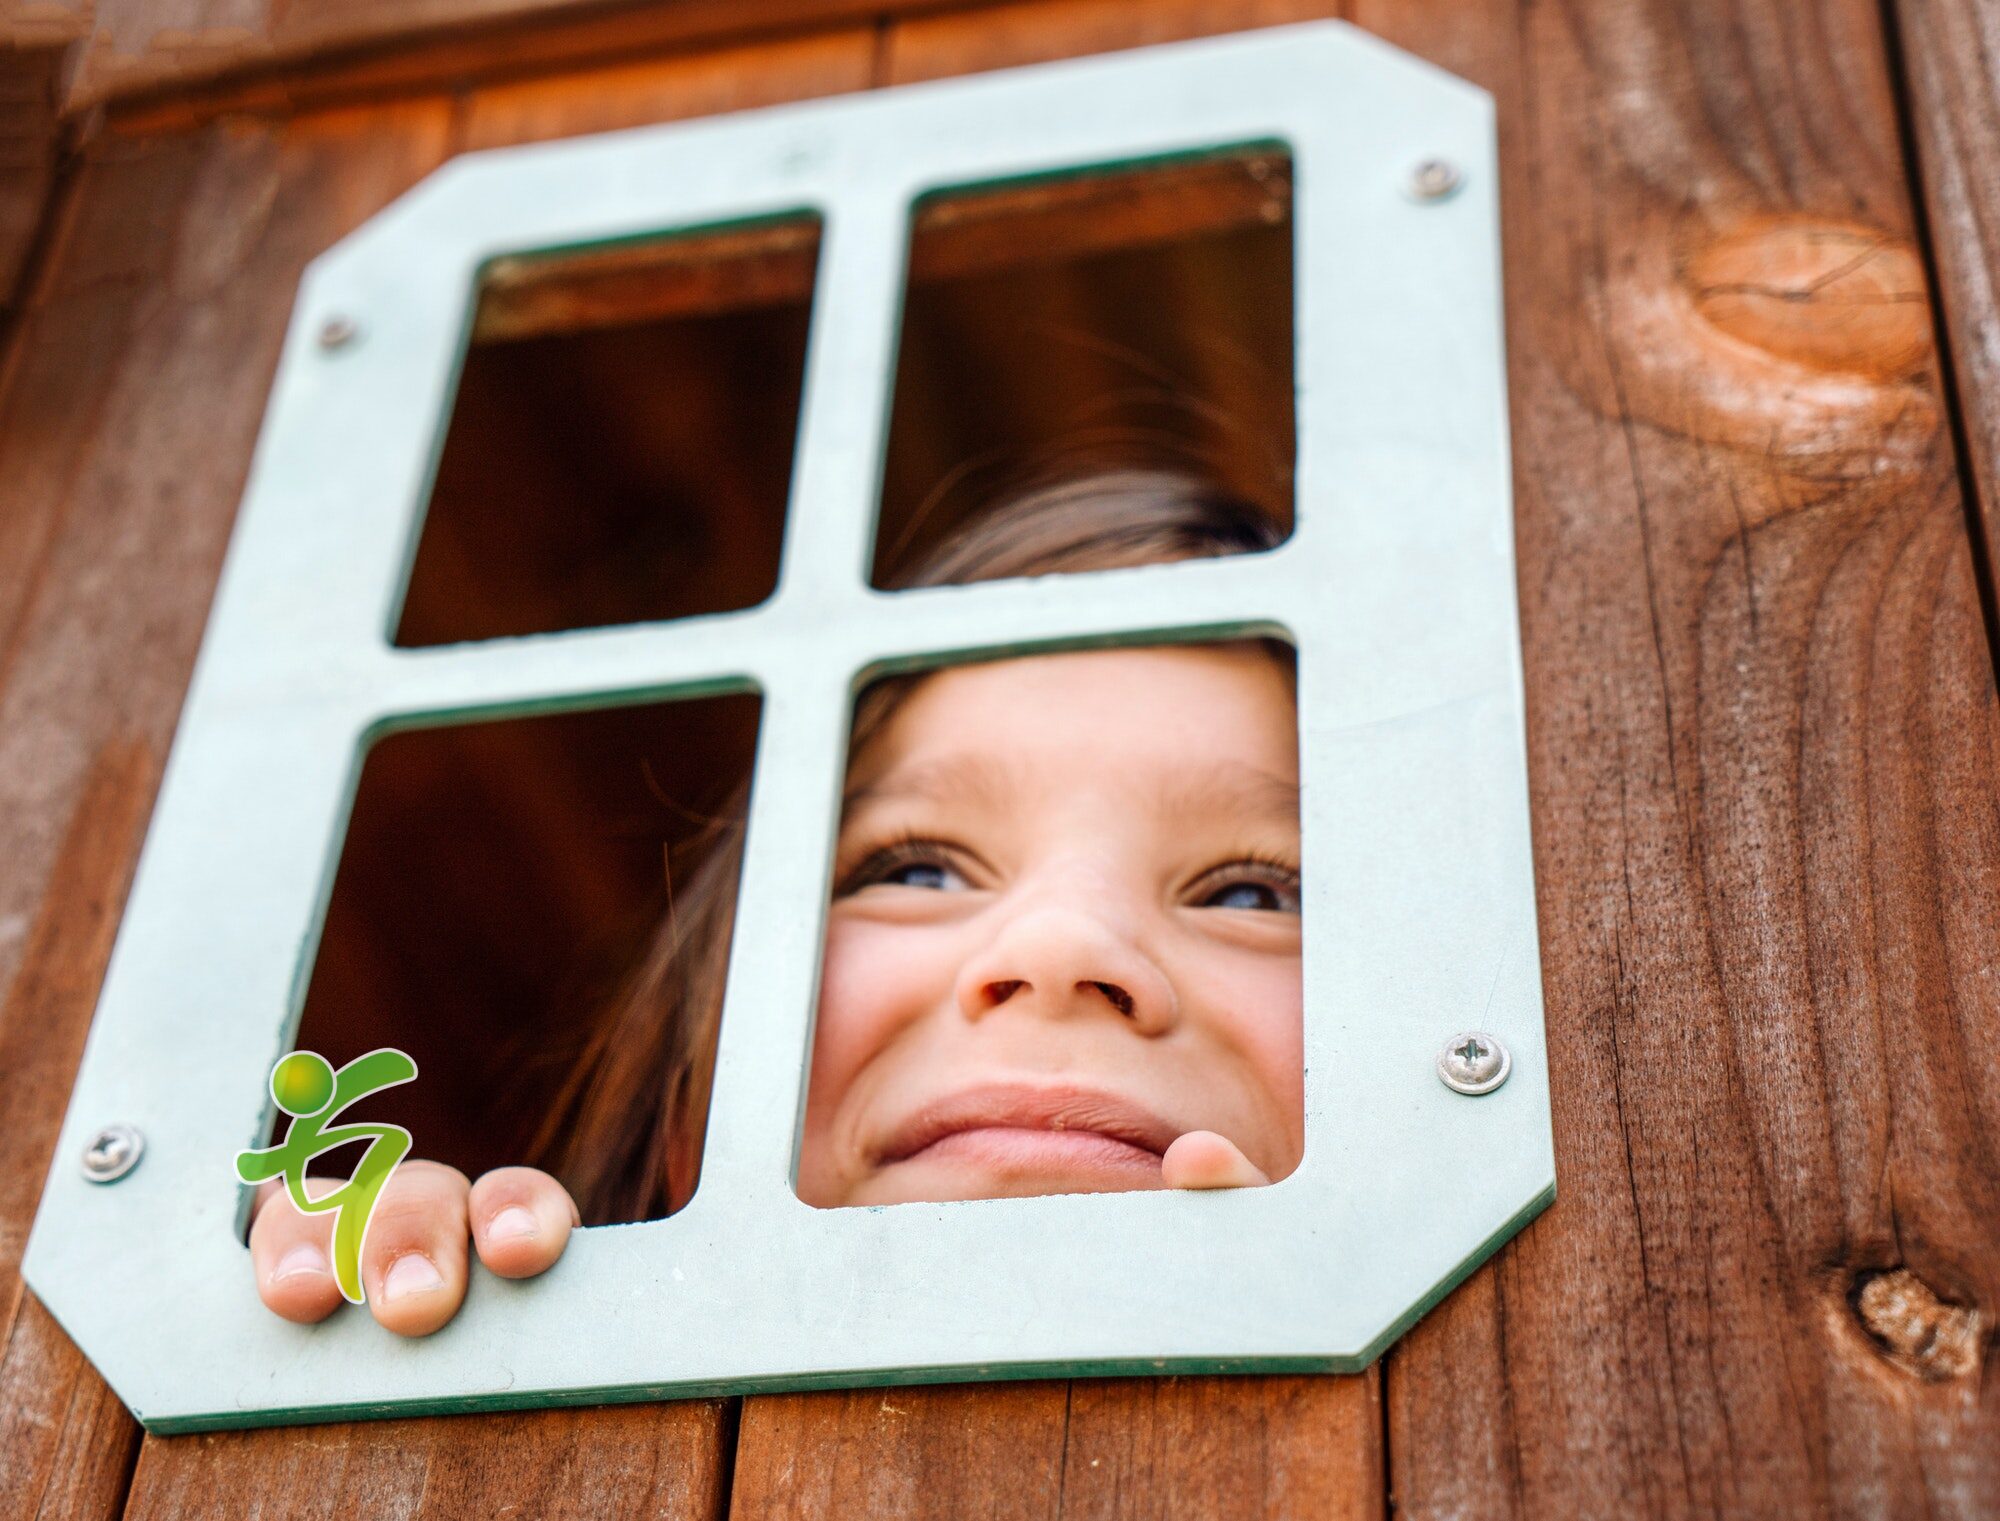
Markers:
(1396, 588)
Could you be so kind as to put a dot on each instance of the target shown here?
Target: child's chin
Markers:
(1013, 1164)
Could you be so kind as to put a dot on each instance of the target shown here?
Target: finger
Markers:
(1203, 1159)
(521, 1220)
(290, 1253)
(413, 1260)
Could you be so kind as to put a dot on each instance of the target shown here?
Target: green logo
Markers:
(307, 1088)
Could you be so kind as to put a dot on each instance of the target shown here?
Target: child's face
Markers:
(1065, 931)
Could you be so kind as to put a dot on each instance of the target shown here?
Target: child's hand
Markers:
(413, 1260)
(1203, 1159)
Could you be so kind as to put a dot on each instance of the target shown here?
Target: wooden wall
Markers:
(1752, 360)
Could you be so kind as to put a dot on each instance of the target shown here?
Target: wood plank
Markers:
(1007, 36)
(1950, 51)
(68, 1443)
(1077, 1449)
(639, 93)
(1763, 745)
(1273, 1447)
(148, 63)
(977, 1450)
(631, 1460)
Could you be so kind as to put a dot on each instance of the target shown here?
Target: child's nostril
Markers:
(998, 993)
(1120, 999)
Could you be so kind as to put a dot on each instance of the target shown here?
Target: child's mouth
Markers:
(1031, 1131)
(1056, 1153)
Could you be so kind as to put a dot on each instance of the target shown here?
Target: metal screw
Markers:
(1473, 1062)
(112, 1152)
(1434, 179)
(337, 332)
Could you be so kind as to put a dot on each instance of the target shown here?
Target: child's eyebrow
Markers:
(970, 777)
(1244, 791)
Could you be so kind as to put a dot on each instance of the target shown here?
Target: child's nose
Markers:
(1060, 962)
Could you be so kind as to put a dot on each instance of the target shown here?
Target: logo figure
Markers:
(307, 1088)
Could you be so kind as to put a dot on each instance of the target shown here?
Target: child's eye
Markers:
(1259, 886)
(922, 864)
(931, 874)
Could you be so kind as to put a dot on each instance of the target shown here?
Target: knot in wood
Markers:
(1917, 1331)
(1830, 296)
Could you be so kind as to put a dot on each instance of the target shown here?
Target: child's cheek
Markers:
(876, 980)
(1256, 1006)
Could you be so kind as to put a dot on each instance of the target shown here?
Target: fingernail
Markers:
(413, 1273)
(512, 1224)
(299, 1261)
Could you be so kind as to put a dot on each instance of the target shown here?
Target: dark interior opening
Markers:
(620, 446)
(1135, 317)
(497, 883)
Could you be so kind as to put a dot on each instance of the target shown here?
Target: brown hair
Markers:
(625, 1134)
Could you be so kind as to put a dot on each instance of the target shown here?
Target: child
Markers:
(1062, 953)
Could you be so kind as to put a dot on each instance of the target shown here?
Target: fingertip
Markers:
(1189, 1159)
(521, 1221)
(288, 1259)
(1203, 1159)
(415, 1296)
(298, 1284)
(413, 1257)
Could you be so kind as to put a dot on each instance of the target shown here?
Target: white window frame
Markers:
(1397, 586)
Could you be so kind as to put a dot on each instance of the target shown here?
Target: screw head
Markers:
(1473, 1062)
(112, 1152)
(1434, 179)
(338, 331)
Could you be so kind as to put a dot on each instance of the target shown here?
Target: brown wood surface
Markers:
(1763, 755)
(1084, 1448)
(1762, 735)
(1950, 51)
(66, 1443)
(189, 62)
(657, 1461)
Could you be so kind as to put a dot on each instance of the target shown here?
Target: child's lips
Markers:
(1060, 1153)
(1016, 1123)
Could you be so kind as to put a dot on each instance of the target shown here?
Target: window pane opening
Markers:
(620, 445)
(1064, 937)
(1138, 318)
(535, 910)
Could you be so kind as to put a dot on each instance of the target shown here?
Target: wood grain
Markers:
(639, 93)
(1007, 36)
(67, 1442)
(986, 1450)
(1762, 753)
(566, 1465)
(1950, 50)
(1083, 1448)
(148, 63)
